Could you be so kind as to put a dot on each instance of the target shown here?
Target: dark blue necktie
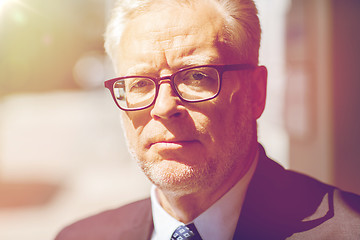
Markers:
(186, 232)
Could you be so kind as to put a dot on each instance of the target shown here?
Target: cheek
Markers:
(212, 121)
(228, 116)
(201, 121)
(223, 125)
(132, 131)
(138, 119)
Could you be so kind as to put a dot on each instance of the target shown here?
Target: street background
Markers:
(62, 150)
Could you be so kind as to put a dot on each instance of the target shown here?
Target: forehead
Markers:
(177, 34)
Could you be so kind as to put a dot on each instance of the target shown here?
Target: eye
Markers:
(139, 85)
(198, 76)
(194, 75)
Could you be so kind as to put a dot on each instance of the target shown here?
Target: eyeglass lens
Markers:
(195, 84)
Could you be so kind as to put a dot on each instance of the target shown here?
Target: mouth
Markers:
(173, 144)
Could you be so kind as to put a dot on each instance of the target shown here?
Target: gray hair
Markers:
(242, 26)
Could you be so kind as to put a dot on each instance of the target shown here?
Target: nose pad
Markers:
(167, 102)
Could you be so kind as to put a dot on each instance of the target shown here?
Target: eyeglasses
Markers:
(192, 84)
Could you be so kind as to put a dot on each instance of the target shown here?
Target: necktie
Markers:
(186, 232)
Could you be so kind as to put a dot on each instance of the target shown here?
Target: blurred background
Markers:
(62, 151)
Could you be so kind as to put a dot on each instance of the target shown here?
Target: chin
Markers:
(176, 177)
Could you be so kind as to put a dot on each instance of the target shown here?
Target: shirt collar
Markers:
(217, 222)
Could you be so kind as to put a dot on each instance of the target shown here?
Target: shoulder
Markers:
(337, 216)
(111, 224)
(346, 214)
(316, 204)
(284, 203)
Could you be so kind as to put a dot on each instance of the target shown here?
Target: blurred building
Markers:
(322, 111)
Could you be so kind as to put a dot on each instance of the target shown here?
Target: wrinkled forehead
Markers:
(161, 21)
(194, 14)
(173, 29)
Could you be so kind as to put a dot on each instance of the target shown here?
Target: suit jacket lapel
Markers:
(140, 226)
(277, 202)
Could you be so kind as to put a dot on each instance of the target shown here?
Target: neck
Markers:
(185, 208)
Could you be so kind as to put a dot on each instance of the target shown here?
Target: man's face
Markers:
(186, 147)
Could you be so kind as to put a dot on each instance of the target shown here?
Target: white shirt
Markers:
(217, 222)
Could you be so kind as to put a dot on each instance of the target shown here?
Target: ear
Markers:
(258, 88)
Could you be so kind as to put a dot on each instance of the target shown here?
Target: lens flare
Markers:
(3, 3)
(7, 3)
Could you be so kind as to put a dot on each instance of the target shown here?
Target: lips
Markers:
(172, 143)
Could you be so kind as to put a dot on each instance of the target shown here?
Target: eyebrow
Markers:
(139, 68)
(190, 61)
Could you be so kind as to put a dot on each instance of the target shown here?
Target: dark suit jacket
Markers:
(279, 204)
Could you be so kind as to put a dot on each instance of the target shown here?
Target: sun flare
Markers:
(4, 4)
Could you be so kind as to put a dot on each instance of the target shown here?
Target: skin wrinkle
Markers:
(236, 17)
(176, 30)
(165, 173)
(222, 130)
(145, 69)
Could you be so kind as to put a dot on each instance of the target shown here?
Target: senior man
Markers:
(190, 90)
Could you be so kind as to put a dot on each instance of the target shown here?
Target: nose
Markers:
(168, 104)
